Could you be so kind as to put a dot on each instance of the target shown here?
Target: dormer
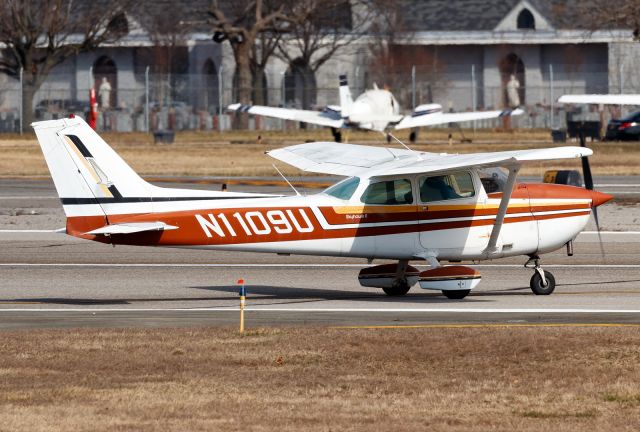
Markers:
(523, 17)
(526, 20)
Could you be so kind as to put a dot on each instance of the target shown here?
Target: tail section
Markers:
(85, 170)
(345, 97)
(98, 189)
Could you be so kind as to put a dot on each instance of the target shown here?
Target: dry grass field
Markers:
(316, 379)
(240, 153)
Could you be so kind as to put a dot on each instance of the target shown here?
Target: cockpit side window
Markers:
(345, 189)
(446, 187)
(391, 192)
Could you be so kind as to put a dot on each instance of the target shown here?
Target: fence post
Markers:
(146, 100)
(284, 97)
(551, 97)
(21, 100)
(474, 96)
(356, 81)
(621, 79)
(220, 99)
(413, 87)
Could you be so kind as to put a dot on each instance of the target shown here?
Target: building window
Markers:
(526, 21)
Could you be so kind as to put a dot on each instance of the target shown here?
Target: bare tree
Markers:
(393, 55)
(168, 53)
(320, 28)
(242, 22)
(603, 15)
(387, 29)
(38, 35)
(262, 52)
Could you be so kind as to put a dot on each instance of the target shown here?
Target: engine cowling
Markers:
(455, 277)
(383, 276)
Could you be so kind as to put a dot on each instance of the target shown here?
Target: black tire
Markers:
(536, 283)
(455, 294)
(337, 135)
(398, 289)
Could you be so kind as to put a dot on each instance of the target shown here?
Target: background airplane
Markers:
(601, 99)
(397, 204)
(376, 110)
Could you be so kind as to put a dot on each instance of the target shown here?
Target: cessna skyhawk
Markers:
(396, 204)
(375, 110)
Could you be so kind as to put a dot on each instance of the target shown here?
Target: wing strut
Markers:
(502, 210)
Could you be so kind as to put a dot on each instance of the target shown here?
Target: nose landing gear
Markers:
(542, 282)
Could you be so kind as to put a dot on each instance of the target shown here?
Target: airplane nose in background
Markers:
(599, 198)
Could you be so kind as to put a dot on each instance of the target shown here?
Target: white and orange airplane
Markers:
(396, 204)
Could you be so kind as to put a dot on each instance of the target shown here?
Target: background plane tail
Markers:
(345, 96)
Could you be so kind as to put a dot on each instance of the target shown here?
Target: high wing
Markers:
(328, 117)
(354, 160)
(435, 118)
(602, 99)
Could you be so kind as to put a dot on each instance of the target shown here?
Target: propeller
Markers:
(588, 184)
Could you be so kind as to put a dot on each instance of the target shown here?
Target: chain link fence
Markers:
(148, 103)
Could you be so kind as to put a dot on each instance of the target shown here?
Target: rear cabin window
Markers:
(390, 192)
(345, 189)
(446, 187)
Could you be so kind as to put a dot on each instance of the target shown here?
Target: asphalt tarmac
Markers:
(52, 280)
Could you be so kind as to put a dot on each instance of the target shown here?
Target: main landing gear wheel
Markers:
(542, 288)
(455, 294)
(397, 289)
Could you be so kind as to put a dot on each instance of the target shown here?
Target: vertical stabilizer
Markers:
(345, 97)
(87, 173)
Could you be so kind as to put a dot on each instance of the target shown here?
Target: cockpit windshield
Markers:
(343, 190)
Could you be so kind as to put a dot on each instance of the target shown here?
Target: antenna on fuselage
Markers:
(403, 144)
(285, 179)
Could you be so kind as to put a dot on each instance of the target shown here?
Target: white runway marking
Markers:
(611, 232)
(623, 193)
(18, 231)
(367, 310)
(286, 265)
(26, 197)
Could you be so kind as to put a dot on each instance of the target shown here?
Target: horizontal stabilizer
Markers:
(132, 228)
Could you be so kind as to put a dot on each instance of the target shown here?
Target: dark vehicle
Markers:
(624, 129)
